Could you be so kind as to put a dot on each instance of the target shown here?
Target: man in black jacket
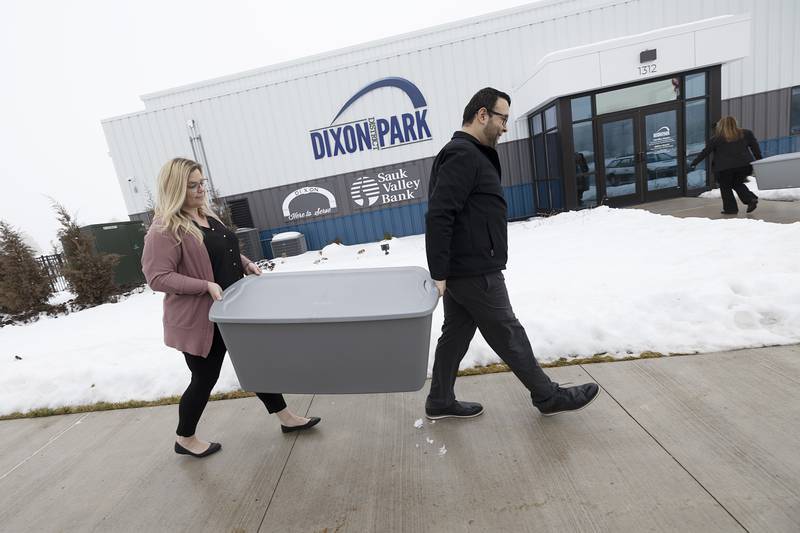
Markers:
(466, 245)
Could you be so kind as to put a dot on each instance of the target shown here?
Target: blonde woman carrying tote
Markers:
(191, 256)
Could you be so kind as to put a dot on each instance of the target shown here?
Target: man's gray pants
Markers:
(482, 302)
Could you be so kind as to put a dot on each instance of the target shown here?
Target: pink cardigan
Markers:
(182, 271)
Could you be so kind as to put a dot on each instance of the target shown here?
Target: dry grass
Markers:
(107, 406)
(489, 369)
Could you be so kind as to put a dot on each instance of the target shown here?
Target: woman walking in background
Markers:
(192, 257)
(734, 149)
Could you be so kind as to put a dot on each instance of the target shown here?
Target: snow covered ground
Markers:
(621, 281)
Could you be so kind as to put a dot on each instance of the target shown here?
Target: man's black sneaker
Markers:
(568, 399)
(455, 410)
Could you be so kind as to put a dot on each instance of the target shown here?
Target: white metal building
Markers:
(610, 100)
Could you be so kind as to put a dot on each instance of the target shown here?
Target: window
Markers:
(584, 147)
(583, 156)
(581, 108)
(550, 121)
(546, 159)
(540, 164)
(553, 147)
(696, 85)
(638, 96)
(696, 128)
(537, 124)
(794, 127)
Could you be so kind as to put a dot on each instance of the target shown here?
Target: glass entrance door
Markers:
(640, 154)
(620, 157)
(660, 157)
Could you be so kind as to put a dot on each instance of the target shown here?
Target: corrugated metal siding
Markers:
(767, 114)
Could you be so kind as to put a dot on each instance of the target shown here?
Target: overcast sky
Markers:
(66, 65)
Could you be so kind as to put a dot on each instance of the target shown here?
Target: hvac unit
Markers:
(240, 213)
(250, 243)
(288, 244)
(126, 241)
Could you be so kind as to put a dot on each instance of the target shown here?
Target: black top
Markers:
(730, 154)
(223, 250)
(465, 226)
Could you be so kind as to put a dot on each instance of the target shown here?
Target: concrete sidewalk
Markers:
(685, 207)
(694, 443)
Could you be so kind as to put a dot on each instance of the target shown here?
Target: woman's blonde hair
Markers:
(172, 183)
(728, 129)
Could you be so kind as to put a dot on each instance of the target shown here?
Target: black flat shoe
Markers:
(752, 206)
(313, 421)
(213, 447)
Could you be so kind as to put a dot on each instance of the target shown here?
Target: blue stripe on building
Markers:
(781, 145)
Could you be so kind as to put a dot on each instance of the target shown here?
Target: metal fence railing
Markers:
(52, 265)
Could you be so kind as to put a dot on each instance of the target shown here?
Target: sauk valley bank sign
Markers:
(374, 133)
(384, 188)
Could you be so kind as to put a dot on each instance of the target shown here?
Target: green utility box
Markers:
(125, 239)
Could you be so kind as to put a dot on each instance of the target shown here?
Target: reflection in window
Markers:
(585, 182)
(581, 108)
(584, 147)
(662, 150)
(696, 132)
(695, 179)
(537, 123)
(795, 115)
(539, 162)
(695, 126)
(550, 117)
(553, 154)
(587, 190)
(618, 158)
(638, 96)
(696, 85)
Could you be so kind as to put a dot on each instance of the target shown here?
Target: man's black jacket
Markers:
(465, 226)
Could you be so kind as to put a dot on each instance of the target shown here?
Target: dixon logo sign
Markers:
(373, 133)
(308, 202)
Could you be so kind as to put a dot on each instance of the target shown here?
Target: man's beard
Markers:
(491, 137)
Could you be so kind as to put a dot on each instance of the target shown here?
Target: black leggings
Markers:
(205, 372)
